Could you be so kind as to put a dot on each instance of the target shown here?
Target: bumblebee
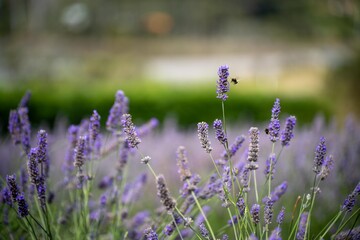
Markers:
(234, 81)
(266, 131)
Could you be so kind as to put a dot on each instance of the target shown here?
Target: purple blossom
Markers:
(219, 132)
(268, 210)
(41, 191)
(129, 130)
(275, 234)
(255, 213)
(106, 182)
(190, 186)
(223, 85)
(241, 206)
(6, 197)
(139, 219)
(203, 230)
(349, 202)
(119, 108)
(133, 190)
(15, 127)
(274, 126)
(72, 136)
(79, 157)
(13, 187)
(244, 178)
(300, 235)
(25, 129)
(146, 128)
(168, 230)
(103, 200)
(287, 134)
(150, 234)
(23, 180)
(32, 166)
(25, 99)
(23, 209)
(327, 167)
(270, 166)
(253, 152)
(203, 134)
(279, 191)
(225, 237)
(182, 163)
(94, 127)
(281, 216)
(319, 155)
(226, 178)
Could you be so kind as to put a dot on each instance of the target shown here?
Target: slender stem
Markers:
(232, 221)
(313, 195)
(204, 215)
(352, 227)
(32, 229)
(332, 224)
(255, 186)
(177, 228)
(184, 218)
(346, 222)
(39, 224)
(216, 168)
(151, 170)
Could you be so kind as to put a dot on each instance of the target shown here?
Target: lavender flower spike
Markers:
(281, 216)
(327, 167)
(182, 164)
(94, 127)
(164, 194)
(13, 187)
(255, 213)
(203, 230)
(25, 128)
(129, 130)
(150, 234)
(275, 234)
(23, 209)
(287, 134)
(32, 166)
(253, 152)
(302, 226)
(117, 110)
(274, 126)
(349, 202)
(319, 156)
(79, 157)
(42, 146)
(203, 133)
(268, 211)
(15, 127)
(219, 132)
(270, 166)
(222, 83)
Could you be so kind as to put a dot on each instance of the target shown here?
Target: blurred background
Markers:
(74, 55)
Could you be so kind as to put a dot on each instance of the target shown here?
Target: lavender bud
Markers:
(222, 83)
(244, 178)
(234, 147)
(164, 194)
(145, 160)
(349, 202)
(94, 127)
(150, 234)
(241, 205)
(25, 129)
(226, 178)
(6, 197)
(120, 107)
(13, 187)
(79, 157)
(268, 211)
(103, 200)
(42, 147)
(41, 191)
(327, 167)
(129, 131)
(253, 152)
(15, 127)
(219, 132)
(182, 163)
(270, 166)
(319, 156)
(25, 99)
(168, 230)
(203, 134)
(32, 166)
(23, 209)
(287, 134)
(275, 234)
(225, 237)
(279, 191)
(203, 230)
(274, 126)
(255, 213)
(147, 127)
(281, 216)
(300, 235)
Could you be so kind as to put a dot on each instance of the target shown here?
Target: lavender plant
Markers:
(227, 202)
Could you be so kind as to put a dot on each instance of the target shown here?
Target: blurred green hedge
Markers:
(188, 106)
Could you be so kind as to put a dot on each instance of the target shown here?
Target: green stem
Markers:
(255, 186)
(184, 218)
(177, 228)
(232, 221)
(332, 224)
(32, 229)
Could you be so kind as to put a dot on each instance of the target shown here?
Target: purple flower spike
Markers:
(279, 191)
(275, 234)
(15, 127)
(281, 216)
(219, 132)
(270, 166)
(253, 152)
(6, 197)
(182, 163)
(32, 166)
(268, 211)
(327, 167)
(203, 134)
(349, 202)
(223, 85)
(150, 234)
(79, 157)
(302, 226)
(203, 230)
(23, 209)
(319, 156)
(94, 127)
(164, 194)
(146, 128)
(274, 126)
(129, 130)
(287, 134)
(13, 187)
(255, 213)
(25, 129)
(119, 108)
(168, 230)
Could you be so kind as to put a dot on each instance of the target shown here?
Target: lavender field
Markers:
(272, 180)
